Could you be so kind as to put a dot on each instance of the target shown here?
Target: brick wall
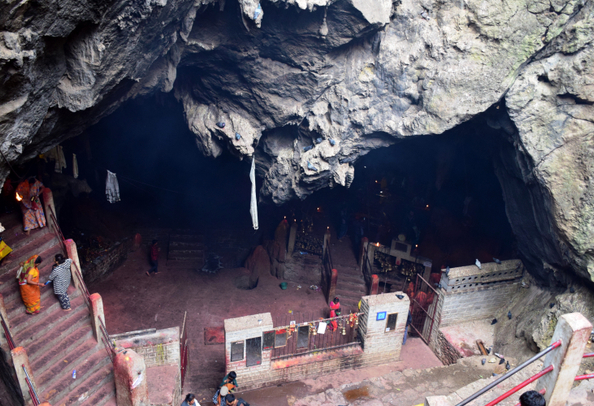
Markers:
(106, 263)
(157, 347)
(379, 345)
(444, 350)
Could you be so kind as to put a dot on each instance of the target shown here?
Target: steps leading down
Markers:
(57, 342)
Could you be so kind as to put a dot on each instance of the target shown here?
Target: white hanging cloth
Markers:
(74, 167)
(112, 188)
(57, 154)
(253, 201)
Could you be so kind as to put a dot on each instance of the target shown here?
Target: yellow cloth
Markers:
(4, 249)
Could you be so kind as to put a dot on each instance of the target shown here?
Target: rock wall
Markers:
(309, 86)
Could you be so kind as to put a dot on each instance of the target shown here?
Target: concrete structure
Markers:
(20, 360)
(98, 316)
(160, 350)
(574, 331)
(469, 293)
(379, 344)
(130, 379)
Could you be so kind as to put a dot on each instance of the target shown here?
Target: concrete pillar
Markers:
(48, 202)
(20, 358)
(371, 254)
(97, 306)
(137, 242)
(380, 341)
(326, 241)
(374, 284)
(364, 244)
(130, 379)
(333, 282)
(574, 331)
(292, 238)
(72, 253)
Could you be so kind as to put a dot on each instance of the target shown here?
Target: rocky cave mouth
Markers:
(440, 193)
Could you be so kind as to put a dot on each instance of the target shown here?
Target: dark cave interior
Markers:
(441, 191)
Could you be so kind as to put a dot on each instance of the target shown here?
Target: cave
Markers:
(438, 152)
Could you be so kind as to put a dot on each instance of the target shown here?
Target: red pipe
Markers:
(589, 355)
(520, 386)
(582, 377)
(542, 392)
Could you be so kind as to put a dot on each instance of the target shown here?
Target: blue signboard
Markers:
(381, 316)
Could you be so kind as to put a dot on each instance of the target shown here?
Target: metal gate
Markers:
(424, 304)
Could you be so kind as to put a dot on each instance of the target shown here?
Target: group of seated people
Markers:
(223, 395)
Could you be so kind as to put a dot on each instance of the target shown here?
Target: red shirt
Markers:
(154, 252)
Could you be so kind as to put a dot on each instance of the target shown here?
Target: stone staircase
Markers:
(56, 342)
(351, 285)
(186, 247)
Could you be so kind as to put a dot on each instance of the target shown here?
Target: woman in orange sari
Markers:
(29, 285)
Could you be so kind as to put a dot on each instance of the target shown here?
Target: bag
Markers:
(19, 272)
(4, 249)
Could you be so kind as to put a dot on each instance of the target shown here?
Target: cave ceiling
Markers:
(306, 87)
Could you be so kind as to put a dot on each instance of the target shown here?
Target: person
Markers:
(532, 398)
(335, 305)
(29, 284)
(190, 400)
(33, 216)
(60, 277)
(230, 378)
(219, 397)
(408, 323)
(231, 401)
(154, 258)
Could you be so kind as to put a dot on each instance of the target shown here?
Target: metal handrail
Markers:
(522, 385)
(32, 391)
(81, 283)
(517, 369)
(7, 333)
(582, 377)
(589, 355)
(306, 323)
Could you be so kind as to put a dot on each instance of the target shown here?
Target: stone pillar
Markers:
(371, 253)
(72, 253)
(364, 244)
(574, 331)
(292, 238)
(137, 242)
(333, 282)
(130, 379)
(20, 358)
(374, 285)
(382, 342)
(326, 241)
(239, 330)
(48, 203)
(97, 306)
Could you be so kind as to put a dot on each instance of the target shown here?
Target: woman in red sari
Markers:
(29, 285)
(33, 216)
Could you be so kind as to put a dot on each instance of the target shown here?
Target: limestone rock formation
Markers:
(309, 86)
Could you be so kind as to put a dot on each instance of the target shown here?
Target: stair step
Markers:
(55, 352)
(102, 395)
(90, 371)
(59, 320)
(73, 357)
(17, 239)
(183, 244)
(34, 245)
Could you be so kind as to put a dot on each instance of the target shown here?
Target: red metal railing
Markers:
(522, 385)
(589, 355)
(7, 334)
(517, 369)
(32, 391)
(582, 377)
(81, 283)
(184, 351)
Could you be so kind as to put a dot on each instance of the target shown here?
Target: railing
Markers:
(9, 339)
(344, 335)
(32, 391)
(183, 350)
(517, 369)
(83, 287)
(586, 376)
